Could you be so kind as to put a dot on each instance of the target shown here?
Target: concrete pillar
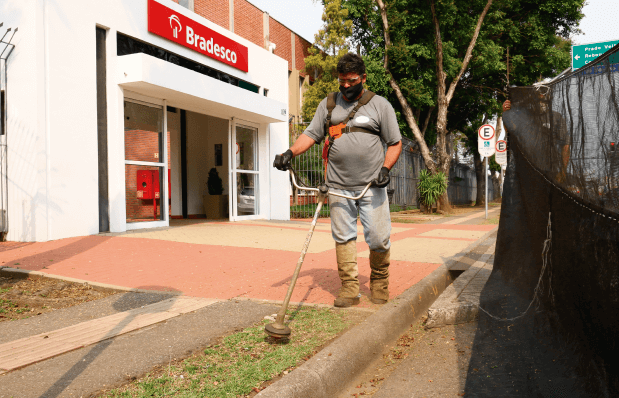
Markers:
(265, 29)
(231, 14)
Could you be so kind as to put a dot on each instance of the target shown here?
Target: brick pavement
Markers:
(251, 259)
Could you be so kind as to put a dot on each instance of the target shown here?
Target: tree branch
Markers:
(408, 113)
(469, 50)
(425, 124)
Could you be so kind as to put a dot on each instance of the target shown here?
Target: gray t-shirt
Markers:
(356, 158)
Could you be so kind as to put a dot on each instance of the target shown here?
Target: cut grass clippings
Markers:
(243, 361)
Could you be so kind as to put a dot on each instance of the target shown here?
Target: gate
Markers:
(6, 48)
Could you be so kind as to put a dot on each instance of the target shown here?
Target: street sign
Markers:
(584, 54)
(486, 140)
(501, 152)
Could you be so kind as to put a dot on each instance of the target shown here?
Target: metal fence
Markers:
(405, 176)
(403, 193)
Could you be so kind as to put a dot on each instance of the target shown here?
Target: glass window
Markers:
(246, 151)
(143, 193)
(247, 191)
(143, 133)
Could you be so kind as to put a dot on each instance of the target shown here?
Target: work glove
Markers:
(282, 162)
(383, 178)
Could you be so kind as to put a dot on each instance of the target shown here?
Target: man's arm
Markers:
(392, 155)
(301, 145)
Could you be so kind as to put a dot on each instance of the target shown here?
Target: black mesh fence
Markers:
(556, 272)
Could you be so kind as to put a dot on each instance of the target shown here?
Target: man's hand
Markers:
(383, 178)
(282, 162)
(507, 105)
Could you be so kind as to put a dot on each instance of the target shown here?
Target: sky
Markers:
(303, 17)
(599, 23)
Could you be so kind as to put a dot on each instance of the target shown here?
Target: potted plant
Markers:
(215, 203)
(431, 187)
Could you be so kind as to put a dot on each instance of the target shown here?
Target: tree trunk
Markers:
(442, 162)
(481, 181)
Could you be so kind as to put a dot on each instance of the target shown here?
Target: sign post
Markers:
(584, 54)
(486, 147)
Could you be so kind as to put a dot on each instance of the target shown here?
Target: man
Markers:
(355, 158)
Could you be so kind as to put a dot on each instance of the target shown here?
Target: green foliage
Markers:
(330, 44)
(431, 187)
(214, 183)
(493, 165)
(308, 211)
(536, 31)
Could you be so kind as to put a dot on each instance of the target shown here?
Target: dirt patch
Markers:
(431, 362)
(26, 297)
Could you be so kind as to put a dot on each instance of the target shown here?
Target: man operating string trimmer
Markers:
(354, 122)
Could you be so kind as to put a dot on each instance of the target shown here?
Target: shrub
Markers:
(431, 187)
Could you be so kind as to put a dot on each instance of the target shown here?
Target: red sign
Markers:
(176, 27)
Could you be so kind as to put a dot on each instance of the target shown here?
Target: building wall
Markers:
(174, 134)
(217, 11)
(52, 117)
(248, 22)
(280, 35)
(301, 51)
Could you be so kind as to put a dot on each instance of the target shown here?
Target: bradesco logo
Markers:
(180, 29)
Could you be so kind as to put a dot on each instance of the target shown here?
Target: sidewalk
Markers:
(253, 259)
(222, 265)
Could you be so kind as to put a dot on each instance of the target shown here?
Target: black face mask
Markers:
(351, 93)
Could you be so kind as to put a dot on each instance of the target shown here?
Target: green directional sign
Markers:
(584, 54)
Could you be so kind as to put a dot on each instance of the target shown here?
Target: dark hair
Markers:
(351, 63)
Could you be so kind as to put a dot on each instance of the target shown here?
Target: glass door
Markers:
(244, 184)
(146, 156)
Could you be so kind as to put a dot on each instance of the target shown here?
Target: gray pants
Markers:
(374, 215)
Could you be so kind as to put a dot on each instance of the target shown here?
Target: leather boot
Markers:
(347, 269)
(379, 277)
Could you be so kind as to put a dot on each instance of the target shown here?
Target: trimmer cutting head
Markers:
(277, 331)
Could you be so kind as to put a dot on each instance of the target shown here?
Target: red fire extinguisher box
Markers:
(148, 184)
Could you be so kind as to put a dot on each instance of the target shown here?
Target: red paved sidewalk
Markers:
(228, 271)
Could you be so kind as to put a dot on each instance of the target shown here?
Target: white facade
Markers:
(52, 112)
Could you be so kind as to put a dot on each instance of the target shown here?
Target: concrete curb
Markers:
(327, 373)
(450, 308)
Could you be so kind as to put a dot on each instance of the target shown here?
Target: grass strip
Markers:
(243, 361)
(308, 210)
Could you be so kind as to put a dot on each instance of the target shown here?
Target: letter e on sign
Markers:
(501, 152)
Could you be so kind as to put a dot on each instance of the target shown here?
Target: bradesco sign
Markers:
(176, 27)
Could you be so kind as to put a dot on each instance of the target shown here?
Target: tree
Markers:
(330, 44)
(430, 48)
(532, 43)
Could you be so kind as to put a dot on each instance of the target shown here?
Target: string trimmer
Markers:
(277, 329)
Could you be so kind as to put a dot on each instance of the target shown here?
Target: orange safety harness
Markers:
(335, 132)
